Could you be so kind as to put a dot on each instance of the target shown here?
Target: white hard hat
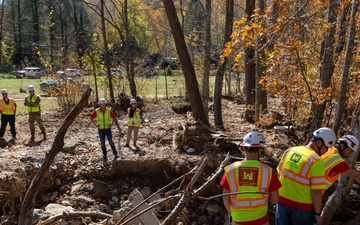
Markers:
(102, 101)
(4, 91)
(327, 135)
(253, 139)
(132, 101)
(351, 141)
(31, 88)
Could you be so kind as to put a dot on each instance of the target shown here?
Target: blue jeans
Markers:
(286, 215)
(106, 133)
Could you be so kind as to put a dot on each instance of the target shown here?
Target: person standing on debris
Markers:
(254, 184)
(134, 122)
(104, 118)
(334, 161)
(32, 101)
(8, 112)
(302, 175)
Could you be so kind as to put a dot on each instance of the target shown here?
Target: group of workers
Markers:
(303, 174)
(104, 118)
(8, 112)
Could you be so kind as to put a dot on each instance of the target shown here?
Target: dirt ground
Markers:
(156, 152)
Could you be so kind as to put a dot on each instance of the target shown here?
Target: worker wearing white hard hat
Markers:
(334, 159)
(8, 112)
(134, 121)
(32, 101)
(302, 169)
(257, 181)
(103, 118)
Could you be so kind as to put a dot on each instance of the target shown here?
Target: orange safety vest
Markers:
(103, 120)
(32, 100)
(331, 159)
(248, 176)
(300, 171)
(136, 118)
(8, 109)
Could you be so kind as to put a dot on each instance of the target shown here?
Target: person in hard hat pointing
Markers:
(334, 161)
(258, 182)
(104, 118)
(32, 101)
(133, 122)
(7, 111)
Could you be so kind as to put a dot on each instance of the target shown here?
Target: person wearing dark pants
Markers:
(104, 118)
(8, 111)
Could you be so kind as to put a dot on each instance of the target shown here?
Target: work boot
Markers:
(32, 138)
(44, 136)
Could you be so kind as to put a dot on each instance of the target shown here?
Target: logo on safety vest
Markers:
(295, 158)
(248, 176)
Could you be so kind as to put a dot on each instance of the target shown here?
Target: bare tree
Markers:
(106, 51)
(192, 85)
(207, 52)
(229, 19)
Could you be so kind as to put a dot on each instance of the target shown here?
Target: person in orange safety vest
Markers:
(302, 175)
(8, 112)
(254, 183)
(334, 161)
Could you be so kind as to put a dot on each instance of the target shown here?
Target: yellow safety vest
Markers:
(331, 159)
(136, 118)
(32, 100)
(8, 109)
(248, 176)
(300, 171)
(103, 120)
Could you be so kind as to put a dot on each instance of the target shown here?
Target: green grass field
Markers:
(151, 87)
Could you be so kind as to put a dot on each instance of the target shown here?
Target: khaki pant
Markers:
(36, 117)
(129, 131)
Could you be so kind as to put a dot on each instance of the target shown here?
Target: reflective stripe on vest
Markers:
(136, 118)
(301, 177)
(239, 201)
(8, 109)
(33, 100)
(103, 119)
(331, 159)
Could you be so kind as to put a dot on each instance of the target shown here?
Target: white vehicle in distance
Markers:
(29, 72)
(68, 73)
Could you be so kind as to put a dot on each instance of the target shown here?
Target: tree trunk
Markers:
(229, 19)
(128, 55)
(1, 29)
(345, 183)
(57, 146)
(250, 69)
(346, 69)
(207, 52)
(327, 67)
(106, 52)
(192, 86)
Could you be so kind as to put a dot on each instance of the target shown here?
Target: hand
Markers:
(318, 219)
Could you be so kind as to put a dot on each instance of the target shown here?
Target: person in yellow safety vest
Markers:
(134, 121)
(8, 112)
(104, 118)
(32, 101)
(334, 159)
(302, 175)
(254, 183)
